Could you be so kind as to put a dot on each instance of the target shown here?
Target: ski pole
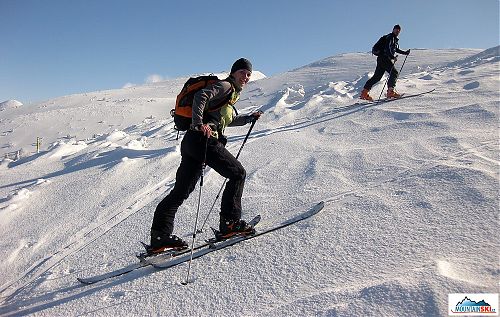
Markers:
(203, 165)
(401, 69)
(225, 180)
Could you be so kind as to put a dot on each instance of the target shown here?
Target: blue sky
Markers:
(51, 48)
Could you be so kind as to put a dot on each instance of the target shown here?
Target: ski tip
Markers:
(84, 281)
(318, 207)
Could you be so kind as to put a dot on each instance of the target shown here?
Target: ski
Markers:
(170, 259)
(384, 100)
(135, 266)
(144, 260)
(168, 263)
(403, 96)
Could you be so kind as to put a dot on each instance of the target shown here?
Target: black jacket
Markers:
(392, 46)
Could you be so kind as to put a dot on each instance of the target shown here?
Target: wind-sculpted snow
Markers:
(410, 189)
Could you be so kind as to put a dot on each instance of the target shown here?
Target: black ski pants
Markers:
(384, 64)
(188, 174)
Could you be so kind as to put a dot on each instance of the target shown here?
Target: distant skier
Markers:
(385, 49)
(205, 139)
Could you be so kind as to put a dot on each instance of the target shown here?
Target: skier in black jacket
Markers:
(385, 63)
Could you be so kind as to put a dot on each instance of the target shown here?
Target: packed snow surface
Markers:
(410, 189)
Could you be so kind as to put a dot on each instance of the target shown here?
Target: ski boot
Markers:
(365, 96)
(392, 94)
(162, 243)
(231, 228)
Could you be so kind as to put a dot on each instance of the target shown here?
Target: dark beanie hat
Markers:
(397, 26)
(242, 63)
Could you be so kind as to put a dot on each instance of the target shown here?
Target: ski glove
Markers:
(257, 114)
(204, 128)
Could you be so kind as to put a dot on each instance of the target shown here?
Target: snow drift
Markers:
(410, 190)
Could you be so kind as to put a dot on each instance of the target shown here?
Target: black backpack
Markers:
(378, 48)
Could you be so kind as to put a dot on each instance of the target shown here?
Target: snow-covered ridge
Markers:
(490, 55)
(10, 104)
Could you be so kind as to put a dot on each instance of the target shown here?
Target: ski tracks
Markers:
(28, 280)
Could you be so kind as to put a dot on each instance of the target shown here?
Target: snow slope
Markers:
(410, 186)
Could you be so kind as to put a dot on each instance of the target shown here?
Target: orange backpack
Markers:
(184, 103)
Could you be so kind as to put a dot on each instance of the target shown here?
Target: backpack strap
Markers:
(228, 96)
